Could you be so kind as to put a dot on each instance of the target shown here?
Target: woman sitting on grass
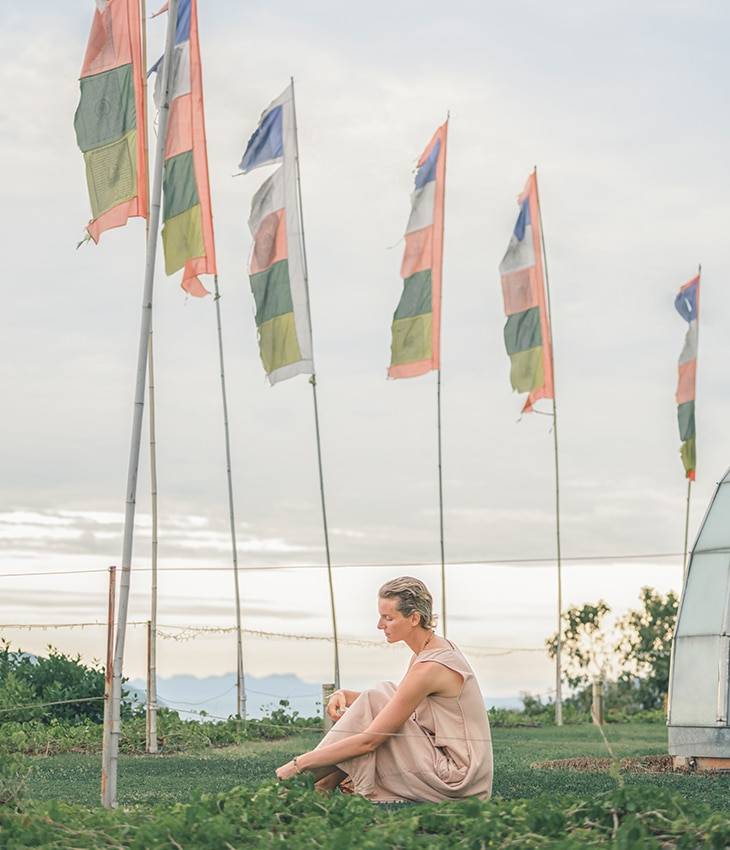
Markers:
(425, 739)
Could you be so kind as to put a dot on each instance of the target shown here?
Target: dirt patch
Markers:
(638, 764)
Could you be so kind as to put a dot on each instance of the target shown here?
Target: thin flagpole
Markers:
(438, 403)
(152, 650)
(240, 680)
(108, 681)
(136, 439)
(689, 480)
(151, 726)
(313, 382)
(441, 501)
(558, 653)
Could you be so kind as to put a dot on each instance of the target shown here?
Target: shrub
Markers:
(14, 771)
(174, 734)
(28, 679)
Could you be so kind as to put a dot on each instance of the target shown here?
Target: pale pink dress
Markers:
(442, 752)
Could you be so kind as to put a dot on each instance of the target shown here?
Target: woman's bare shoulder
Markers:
(442, 680)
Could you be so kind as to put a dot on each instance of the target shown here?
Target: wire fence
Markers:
(198, 708)
(347, 730)
(472, 562)
(171, 631)
(204, 708)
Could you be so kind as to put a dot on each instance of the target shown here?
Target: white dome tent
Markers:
(699, 692)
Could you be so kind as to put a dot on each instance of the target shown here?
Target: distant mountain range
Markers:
(216, 695)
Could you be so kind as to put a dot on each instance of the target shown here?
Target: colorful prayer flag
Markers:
(187, 231)
(687, 304)
(416, 329)
(110, 117)
(276, 268)
(527, 332)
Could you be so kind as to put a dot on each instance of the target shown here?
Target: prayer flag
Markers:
(277, 270)
(687, 304)
(187, 231)
(527, 332)
(110, 117)
(416, 329)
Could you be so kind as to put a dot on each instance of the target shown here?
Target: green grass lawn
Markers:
(75, 777)
(164, 779)
(516, 749)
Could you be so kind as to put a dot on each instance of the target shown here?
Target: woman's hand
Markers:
(286, 771)
(336, 705)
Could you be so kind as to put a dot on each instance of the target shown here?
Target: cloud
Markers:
(92, 606)
(30, 518)
(99, 532)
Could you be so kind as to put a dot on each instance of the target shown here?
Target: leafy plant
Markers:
(585, 644)
(292, 815)
(26, 680)
(631, 659)
(35, 737)
(15, 771)
(645, 647)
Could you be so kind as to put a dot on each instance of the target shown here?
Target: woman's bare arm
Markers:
(420, 681)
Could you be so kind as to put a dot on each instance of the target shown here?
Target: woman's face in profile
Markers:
(390, 621)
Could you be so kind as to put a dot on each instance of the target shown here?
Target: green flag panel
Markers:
(686, 417)
(106, 110)
(178, 185)
(111, 174)
(182, 237)
(278, 343)
(272, 292)
(688, 453)
(416, 297)
(522, 331)
(412, 340)
(527, 373)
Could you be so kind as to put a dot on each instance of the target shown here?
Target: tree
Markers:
(586, 652)
(62, 679)
(645, 647)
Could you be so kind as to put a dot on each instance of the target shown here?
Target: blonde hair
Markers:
(412, 595)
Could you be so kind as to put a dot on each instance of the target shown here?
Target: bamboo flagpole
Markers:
(110, 795)
(558, 653)
(689, 478)
(240, 679)
(438, 398)
(686, 530)
(108, 680)
(151, 744)
(151, 714)
(441, 502)
(415, 347)
(313, 382)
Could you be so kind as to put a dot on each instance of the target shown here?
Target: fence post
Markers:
(106, 740)
(597, 708)
(327, 690)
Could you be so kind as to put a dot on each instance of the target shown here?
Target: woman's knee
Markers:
(376, 699)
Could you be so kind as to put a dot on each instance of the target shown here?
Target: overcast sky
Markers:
(623, 106)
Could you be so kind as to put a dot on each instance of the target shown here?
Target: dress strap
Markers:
(449, 657)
